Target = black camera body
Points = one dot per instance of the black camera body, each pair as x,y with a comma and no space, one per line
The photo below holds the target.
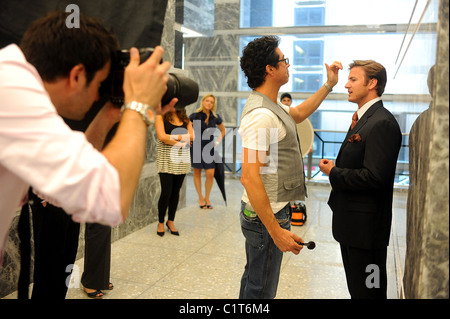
183,88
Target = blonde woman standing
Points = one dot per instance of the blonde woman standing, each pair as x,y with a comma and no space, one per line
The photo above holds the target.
209,132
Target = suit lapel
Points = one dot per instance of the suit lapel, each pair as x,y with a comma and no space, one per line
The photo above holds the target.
360,124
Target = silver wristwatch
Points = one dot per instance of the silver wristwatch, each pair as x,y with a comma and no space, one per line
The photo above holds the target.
147,112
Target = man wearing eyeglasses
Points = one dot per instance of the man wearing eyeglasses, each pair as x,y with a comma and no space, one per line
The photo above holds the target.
272,165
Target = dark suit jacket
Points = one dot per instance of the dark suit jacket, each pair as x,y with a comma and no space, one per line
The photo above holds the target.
363,179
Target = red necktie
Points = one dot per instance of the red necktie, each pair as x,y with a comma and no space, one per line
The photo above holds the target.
354,120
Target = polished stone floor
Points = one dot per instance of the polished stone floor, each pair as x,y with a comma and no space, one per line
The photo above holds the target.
207,260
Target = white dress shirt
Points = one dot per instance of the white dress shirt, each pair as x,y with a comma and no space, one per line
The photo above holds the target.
38,149
366,106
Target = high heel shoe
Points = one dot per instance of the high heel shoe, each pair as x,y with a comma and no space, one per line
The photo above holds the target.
176,233
160,233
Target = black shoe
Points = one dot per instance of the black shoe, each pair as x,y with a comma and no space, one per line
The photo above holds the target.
95,294
172,232
160,233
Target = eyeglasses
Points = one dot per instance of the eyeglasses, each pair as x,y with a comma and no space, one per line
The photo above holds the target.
286,60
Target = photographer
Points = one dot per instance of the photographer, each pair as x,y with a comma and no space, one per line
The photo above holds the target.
57,72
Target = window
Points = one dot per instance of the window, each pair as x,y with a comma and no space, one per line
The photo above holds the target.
316,32
308,53
256,13
306,82
309,16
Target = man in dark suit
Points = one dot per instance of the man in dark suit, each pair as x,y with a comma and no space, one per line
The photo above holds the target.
362,182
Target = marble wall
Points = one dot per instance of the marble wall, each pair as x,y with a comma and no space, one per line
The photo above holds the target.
213,61
427,264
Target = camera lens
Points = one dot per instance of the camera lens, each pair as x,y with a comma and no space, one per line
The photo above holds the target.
183,88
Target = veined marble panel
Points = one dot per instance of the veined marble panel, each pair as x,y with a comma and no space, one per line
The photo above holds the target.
215,78
168,34
216,49
227,15
427,254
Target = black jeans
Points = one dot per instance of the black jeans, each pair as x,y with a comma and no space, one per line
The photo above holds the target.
170,194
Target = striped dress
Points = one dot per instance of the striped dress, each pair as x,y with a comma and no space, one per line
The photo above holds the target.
173,159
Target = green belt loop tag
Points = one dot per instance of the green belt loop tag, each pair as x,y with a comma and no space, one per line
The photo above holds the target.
249,213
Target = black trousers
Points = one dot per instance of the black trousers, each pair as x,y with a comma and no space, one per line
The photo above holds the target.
55,250
97,257
365,271
170,194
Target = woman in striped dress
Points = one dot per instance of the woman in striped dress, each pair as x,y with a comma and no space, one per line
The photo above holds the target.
174,131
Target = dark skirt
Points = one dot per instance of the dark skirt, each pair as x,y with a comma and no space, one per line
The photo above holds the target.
198,159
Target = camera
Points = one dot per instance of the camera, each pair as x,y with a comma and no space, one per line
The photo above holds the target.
183,88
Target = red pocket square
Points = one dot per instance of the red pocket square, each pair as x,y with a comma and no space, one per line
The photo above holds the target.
355,138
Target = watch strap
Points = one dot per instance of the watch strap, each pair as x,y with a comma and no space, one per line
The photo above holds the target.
147,112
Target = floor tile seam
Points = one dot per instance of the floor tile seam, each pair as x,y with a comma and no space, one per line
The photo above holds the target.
322,264
225,226
158,245
172,268
177,265
221,255
188,258
183,290
213,237
191,223
134,282
127,240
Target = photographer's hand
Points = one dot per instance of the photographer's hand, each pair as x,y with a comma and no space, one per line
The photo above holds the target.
146,82
168,107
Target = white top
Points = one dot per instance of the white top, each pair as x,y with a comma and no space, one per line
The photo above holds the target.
37,148
258,129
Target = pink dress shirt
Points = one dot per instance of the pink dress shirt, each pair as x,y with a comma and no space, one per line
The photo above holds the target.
38,149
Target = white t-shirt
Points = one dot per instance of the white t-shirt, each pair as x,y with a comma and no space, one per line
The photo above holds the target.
258,129
38,149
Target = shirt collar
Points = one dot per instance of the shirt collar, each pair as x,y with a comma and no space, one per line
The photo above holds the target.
366,106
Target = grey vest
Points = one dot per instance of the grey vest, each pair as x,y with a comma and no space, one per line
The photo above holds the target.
283,175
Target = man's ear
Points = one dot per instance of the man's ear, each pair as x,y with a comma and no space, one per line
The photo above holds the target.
269,69
77,76
373,84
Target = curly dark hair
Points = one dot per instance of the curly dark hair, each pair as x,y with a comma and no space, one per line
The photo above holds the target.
256,56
